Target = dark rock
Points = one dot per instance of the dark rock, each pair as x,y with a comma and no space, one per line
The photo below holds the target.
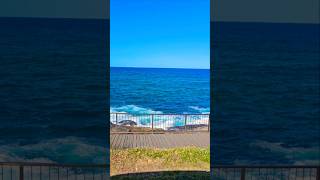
127,123
194,127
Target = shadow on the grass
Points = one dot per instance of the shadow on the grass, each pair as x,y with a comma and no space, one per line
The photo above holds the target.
183,175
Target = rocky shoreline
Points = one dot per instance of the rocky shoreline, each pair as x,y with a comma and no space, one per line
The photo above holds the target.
131,126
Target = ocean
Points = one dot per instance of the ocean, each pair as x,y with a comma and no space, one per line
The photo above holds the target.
159,90
53,85
266,93
54,106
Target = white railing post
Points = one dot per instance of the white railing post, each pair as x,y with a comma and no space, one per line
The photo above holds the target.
152,116
116,118
208,123
185,122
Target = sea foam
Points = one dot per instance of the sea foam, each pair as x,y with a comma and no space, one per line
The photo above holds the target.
298,155
60,150
143,118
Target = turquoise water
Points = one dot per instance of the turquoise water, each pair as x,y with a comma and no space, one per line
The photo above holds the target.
152,90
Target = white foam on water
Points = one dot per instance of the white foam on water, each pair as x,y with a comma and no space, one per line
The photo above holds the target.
200,109
62,150
141,116
299,155
133,109
161,121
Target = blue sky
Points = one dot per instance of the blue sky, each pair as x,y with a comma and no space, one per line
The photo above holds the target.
160,33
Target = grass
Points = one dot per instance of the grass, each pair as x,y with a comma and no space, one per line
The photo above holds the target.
139,160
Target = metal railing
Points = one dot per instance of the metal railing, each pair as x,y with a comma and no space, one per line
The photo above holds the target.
151,123
265,173
50,171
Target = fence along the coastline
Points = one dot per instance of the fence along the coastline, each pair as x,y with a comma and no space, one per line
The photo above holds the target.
124,122
49,171
274,172
26,171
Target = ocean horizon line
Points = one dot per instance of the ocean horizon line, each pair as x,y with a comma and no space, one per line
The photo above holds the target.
53,18
265,22
160,68
107,18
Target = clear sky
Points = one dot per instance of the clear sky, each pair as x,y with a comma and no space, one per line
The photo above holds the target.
160,33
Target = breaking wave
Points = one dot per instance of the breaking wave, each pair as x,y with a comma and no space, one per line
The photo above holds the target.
200,109
141,117
133,109
298,155
62,150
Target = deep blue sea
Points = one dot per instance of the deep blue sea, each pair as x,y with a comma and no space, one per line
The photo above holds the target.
266,93
53,85
54,106
156,90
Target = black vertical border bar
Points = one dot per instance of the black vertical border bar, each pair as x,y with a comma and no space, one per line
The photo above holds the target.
108,89
211,89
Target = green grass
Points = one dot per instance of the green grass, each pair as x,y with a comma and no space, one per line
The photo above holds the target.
149,160
186,155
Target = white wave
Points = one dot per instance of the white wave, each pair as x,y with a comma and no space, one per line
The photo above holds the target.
200,109
161,120
133,109
62,150
300,156
141,116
